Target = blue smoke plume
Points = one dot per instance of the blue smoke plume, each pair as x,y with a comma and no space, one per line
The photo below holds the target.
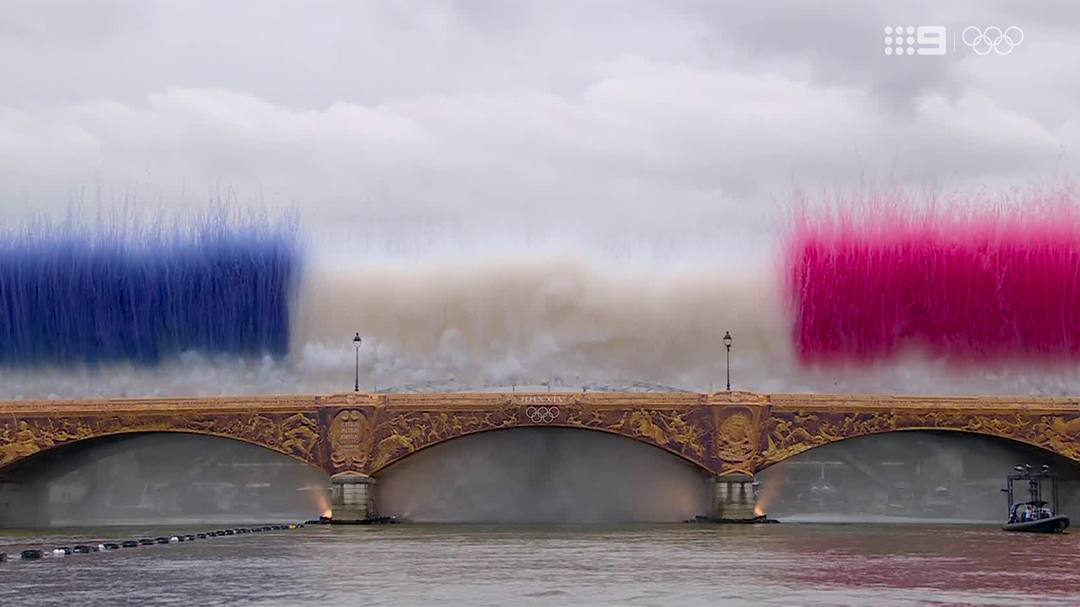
122,291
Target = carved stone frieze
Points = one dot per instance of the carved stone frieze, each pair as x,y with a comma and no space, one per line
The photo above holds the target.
724,432
790,432
297,434
679,430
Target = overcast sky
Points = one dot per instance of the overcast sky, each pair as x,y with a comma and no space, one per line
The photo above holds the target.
664,111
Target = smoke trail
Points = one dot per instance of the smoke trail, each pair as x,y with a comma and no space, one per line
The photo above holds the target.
528,319
477,329
971,281
158,479
493,307
134,292
542,475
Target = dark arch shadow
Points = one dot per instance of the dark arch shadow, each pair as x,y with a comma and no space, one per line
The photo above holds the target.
158,477
542,474
696,464
922,474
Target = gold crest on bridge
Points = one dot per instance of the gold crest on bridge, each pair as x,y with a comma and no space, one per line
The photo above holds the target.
737,437
350,440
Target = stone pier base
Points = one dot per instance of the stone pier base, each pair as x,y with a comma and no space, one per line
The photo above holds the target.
352,498
732,497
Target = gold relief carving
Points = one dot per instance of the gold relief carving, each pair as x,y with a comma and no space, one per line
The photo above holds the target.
408,431
1059,435
403,436
677,430
300,436
790,433
350,439
296,435
669,429
586,413
18,443
21,438
725,431
583,413
735,436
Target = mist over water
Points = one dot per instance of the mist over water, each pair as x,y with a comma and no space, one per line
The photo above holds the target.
539,475
909,475
166,478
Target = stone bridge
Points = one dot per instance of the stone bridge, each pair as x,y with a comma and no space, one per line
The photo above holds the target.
730,436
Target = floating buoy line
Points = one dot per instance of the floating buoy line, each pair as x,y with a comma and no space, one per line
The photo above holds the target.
35,554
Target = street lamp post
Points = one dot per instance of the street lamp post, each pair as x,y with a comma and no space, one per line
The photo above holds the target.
356,344
727,344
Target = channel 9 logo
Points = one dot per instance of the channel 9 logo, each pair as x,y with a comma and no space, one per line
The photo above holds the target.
932,40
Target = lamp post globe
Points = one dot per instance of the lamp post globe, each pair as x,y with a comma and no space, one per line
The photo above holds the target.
356,344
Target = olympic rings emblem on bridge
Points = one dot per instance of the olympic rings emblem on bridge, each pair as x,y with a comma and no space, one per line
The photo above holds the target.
542,415
991,39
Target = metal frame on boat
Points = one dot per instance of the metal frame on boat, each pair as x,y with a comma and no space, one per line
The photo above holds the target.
1034,515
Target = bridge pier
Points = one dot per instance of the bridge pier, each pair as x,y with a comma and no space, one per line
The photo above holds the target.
732,497
352,497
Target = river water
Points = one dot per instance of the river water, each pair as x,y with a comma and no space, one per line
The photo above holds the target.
473,565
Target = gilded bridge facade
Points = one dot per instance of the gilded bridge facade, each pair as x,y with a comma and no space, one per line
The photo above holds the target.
725,434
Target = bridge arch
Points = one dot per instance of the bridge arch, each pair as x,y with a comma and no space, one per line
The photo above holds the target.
296,434
935,473
395,449
29,456
1053,434
152,476
541,474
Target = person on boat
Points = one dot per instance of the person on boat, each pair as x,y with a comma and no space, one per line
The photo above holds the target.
1025,514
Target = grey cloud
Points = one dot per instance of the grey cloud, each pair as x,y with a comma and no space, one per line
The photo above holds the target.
1059,16
62,23
676,113
840,43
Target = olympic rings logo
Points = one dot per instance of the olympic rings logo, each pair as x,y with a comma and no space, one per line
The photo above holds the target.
992,38
542,415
